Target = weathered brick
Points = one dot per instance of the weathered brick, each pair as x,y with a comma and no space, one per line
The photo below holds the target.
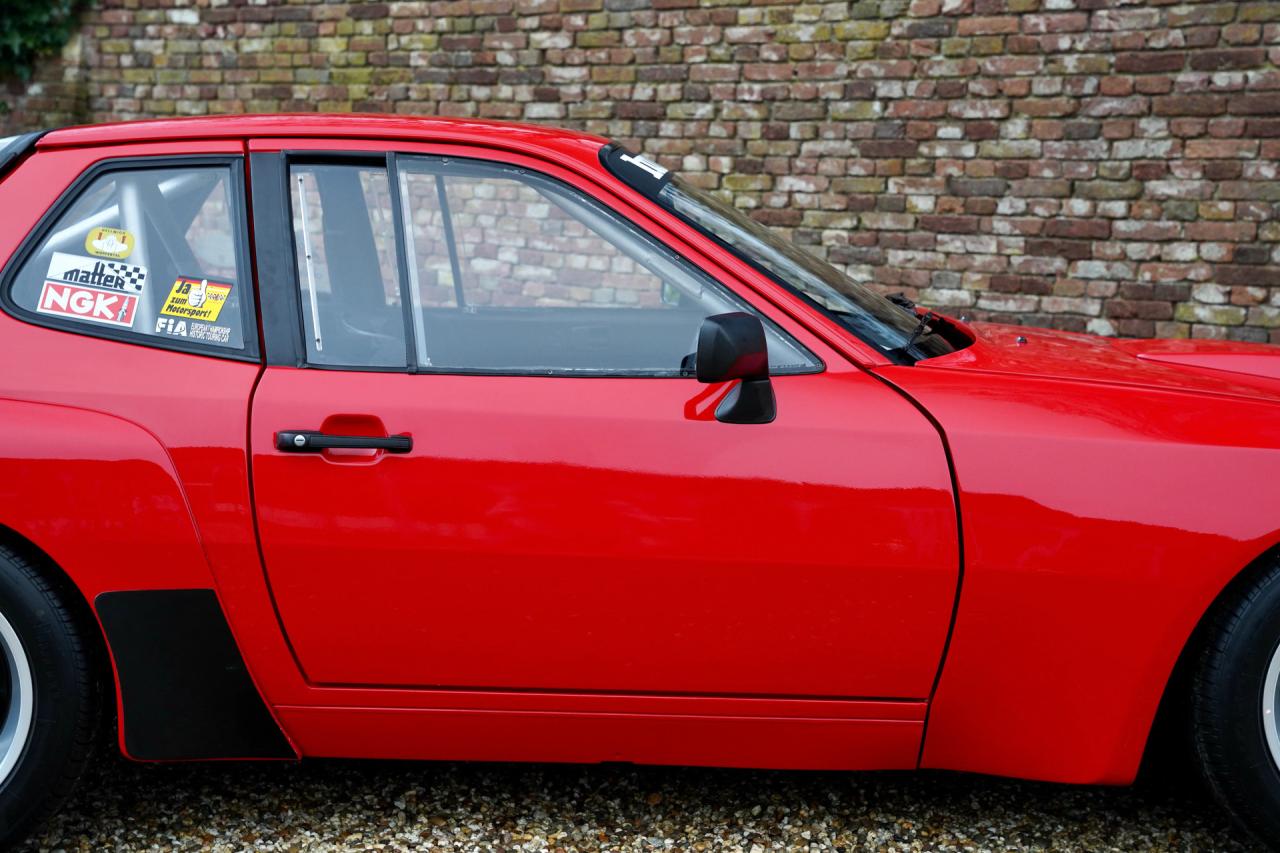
1191,105
977,25
1126,19
949,224
1220,60
1150,62
1109,189
979,186
1221,148
1268,104
1253,276
1068,249
1085,229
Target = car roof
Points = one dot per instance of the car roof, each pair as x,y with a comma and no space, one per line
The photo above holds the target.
415,128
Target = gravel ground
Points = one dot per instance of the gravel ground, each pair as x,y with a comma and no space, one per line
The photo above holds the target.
340,805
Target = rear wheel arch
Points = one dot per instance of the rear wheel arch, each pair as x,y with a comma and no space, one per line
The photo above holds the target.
68,592
199,676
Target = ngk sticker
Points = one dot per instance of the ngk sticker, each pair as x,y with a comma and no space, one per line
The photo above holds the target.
86,303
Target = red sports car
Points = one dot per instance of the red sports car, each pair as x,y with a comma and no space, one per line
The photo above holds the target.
401,438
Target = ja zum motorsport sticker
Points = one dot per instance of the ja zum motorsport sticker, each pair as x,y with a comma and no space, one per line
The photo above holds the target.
196,299
93,290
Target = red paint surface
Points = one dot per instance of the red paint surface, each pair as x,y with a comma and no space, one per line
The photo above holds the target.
588,569
583,534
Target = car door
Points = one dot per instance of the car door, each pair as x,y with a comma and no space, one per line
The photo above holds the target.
550,503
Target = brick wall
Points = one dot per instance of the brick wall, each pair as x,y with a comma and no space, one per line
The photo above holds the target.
1095,165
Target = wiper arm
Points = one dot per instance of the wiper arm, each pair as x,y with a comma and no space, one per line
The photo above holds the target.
920,330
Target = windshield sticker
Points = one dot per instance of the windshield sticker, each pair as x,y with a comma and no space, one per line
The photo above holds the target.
202,332
642,162
109,243
196,299
87,303
635,170
108,275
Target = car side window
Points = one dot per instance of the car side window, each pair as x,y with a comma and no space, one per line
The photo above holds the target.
345,242
505,271
145,253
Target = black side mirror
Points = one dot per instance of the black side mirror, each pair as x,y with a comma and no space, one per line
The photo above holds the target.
732,346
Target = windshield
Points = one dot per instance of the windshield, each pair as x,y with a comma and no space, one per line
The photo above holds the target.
891,329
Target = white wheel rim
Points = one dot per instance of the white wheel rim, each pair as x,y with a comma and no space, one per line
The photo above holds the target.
1269,701
15,715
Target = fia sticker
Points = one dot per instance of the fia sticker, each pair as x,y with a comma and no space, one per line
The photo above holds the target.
109,243
202,332
92,272
196,299
88,303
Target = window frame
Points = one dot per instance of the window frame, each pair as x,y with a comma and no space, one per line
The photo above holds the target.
240,204
288,318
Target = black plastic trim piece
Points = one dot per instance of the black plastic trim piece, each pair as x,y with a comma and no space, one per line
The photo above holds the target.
311,441
184,688
244,279
15,150
277,276
644,182
751,401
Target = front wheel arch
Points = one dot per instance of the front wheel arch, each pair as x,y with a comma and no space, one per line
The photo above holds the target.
1169,729
1233,740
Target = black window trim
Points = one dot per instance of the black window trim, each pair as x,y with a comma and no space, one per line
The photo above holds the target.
283,322
234,163
18,147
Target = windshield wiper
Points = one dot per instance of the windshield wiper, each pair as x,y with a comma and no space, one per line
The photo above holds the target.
920,331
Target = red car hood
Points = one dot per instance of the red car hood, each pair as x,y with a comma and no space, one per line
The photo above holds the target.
1219,367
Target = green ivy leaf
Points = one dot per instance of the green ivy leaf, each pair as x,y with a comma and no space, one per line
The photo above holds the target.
30,29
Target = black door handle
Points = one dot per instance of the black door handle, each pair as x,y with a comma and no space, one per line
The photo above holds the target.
308,441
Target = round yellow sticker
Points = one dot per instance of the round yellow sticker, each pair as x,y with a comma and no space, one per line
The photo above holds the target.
109,243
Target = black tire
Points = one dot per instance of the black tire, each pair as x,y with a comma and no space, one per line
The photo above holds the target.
66,696
1228,727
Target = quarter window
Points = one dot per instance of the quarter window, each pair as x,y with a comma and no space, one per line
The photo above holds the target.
145,252
345,242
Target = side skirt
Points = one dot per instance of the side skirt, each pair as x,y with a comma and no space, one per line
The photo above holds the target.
721,739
